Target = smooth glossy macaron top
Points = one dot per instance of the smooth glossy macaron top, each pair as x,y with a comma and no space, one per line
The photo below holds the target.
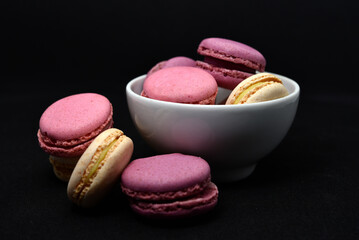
232,51
180,84
165,173
75,116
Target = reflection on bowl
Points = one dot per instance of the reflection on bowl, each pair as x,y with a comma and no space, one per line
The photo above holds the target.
232,138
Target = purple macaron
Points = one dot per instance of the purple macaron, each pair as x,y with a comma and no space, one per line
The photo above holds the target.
169,186
229,62
173,62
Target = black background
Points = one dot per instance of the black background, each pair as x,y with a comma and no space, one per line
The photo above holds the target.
305,189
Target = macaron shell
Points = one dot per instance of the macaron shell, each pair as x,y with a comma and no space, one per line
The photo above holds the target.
168,195
179,61
75,116
227,65
162,174
207,101
181,85
49,142
269,92
189,207
75,151
68,126
173,62
225,78
232,51
108,172
157,67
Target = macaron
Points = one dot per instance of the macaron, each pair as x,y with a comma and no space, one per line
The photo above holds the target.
68,126
99,168
181,84
169,186
230,62
173,62
258,88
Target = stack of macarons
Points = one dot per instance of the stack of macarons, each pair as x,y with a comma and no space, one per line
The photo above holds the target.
91,155
226,63
68,126
85,150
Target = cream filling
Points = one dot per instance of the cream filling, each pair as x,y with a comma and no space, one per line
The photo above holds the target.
246,91
100,159
91,171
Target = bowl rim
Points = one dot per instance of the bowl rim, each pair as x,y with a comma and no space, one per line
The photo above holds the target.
289,98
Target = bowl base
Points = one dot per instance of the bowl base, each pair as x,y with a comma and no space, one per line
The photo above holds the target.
232,175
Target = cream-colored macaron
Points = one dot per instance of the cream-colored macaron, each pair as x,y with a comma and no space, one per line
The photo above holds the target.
63,166
99,167
257,88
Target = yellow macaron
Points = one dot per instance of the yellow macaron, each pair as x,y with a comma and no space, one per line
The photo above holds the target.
99,167
257,88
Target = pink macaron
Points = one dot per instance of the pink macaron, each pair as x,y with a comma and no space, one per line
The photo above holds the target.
173,62
169,186
68,126
181,85
230,62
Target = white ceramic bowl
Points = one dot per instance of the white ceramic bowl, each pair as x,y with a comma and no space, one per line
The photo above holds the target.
232,138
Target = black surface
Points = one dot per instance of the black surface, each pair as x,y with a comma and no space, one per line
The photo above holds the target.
306,189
